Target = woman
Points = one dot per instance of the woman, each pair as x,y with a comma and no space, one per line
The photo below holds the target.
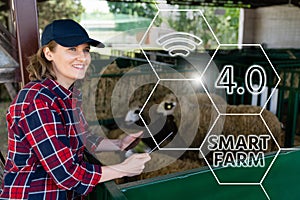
47,129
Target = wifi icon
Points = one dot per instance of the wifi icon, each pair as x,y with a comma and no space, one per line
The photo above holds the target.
179,43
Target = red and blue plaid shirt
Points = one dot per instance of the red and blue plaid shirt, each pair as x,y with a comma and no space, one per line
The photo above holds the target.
46,136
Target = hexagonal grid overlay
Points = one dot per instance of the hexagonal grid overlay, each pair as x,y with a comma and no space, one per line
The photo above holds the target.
235,159
178,44
241,76
227,80
188,80
250,86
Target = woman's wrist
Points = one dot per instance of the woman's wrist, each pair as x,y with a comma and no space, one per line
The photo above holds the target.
132,166
110,173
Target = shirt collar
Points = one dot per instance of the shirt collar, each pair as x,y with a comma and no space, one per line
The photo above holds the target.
61,91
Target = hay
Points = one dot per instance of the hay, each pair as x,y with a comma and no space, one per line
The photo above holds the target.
162,164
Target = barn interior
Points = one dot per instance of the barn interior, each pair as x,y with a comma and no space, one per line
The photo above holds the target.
142,76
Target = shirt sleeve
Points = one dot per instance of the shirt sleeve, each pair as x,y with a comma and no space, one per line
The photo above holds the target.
46,134
92,142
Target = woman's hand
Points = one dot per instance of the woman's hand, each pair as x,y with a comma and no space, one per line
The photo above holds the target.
130,141
132,166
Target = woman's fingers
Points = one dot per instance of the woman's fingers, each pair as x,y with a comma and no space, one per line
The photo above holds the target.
135,164
145,156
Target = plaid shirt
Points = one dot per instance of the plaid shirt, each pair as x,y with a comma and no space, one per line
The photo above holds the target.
46,136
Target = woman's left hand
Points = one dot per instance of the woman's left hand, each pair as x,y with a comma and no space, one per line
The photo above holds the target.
130,141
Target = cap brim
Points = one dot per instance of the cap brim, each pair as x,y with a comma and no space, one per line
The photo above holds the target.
75,41
95,43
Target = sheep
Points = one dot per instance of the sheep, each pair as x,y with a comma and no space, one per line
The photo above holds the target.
162,164
249,126
253,124
204,99
130,123
132,118
160,123
113,68
226,125
236,125
229,124
189,109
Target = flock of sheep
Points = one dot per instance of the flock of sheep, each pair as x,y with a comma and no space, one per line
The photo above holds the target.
189,119
208,119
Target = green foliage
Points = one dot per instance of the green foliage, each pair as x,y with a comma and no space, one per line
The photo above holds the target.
146,10
51,10
58,9
3,14
225,25
223,21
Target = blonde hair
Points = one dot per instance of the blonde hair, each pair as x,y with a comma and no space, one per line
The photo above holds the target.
39,67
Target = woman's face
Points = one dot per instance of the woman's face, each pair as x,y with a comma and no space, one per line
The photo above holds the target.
69,63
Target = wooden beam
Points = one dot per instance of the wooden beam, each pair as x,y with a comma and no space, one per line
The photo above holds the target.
11,90
26,20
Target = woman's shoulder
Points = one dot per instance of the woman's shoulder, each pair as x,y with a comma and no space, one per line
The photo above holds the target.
34,90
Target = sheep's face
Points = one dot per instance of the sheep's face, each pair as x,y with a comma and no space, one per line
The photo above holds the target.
166,107
132,116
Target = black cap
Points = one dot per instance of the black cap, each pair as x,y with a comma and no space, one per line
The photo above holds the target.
67,33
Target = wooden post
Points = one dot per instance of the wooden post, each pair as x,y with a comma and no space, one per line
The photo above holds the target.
27,33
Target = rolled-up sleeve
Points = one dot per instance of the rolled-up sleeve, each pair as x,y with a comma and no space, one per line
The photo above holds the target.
45,131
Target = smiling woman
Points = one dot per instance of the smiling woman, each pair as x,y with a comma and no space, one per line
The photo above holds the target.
47,131
69,63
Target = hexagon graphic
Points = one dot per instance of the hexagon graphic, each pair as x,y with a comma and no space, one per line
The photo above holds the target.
168,111
167,44
241,149
246,75
176,101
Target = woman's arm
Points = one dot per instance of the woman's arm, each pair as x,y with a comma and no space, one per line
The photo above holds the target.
46,133
132,166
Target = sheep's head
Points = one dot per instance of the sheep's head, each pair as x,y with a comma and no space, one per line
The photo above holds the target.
168,105
132,115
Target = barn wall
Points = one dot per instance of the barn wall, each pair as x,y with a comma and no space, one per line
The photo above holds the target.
275,26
